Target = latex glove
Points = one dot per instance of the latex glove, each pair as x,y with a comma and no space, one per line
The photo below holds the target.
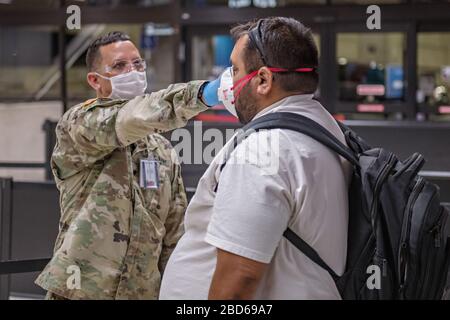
210,93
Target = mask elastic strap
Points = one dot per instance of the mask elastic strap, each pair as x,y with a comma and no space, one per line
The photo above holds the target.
241,83
292,70
102,76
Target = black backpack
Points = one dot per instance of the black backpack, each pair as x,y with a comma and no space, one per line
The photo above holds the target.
398,233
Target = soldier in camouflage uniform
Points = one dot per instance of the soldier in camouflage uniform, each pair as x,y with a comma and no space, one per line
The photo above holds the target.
117,233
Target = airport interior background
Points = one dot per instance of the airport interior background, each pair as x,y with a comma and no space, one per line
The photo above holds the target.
391,85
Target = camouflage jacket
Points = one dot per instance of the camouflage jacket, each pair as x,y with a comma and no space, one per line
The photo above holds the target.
117,235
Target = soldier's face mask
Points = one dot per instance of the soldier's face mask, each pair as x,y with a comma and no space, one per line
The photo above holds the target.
127,85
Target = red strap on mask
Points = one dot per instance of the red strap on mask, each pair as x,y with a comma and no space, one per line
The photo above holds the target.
241,83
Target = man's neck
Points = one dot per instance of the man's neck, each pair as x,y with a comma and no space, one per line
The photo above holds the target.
276,98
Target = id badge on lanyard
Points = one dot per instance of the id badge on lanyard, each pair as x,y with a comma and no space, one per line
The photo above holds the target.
149,176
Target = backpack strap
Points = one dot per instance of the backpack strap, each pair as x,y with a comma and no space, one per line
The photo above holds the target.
308,251
302,124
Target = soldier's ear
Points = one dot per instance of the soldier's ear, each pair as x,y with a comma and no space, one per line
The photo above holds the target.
93,80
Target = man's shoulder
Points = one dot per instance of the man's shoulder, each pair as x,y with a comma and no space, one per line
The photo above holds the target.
95,103
102,102
104,107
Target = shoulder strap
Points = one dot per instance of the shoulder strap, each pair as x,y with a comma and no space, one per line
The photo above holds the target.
308,251
87,103
302,124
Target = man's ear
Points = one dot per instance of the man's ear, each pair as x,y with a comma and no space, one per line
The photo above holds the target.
93,81
265,84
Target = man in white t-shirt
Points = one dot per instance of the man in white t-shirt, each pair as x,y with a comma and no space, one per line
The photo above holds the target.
233,246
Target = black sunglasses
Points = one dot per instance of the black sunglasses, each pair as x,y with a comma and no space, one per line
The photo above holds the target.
255,36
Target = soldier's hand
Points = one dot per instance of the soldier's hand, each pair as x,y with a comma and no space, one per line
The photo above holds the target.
210,93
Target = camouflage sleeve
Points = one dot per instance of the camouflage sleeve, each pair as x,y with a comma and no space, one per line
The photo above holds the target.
53,296
174,224
159,112
99,129
85,135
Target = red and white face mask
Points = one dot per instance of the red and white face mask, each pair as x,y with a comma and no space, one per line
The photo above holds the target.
228,92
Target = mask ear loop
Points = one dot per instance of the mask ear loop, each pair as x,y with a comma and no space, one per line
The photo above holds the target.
241,83
305,69
102,76
105,78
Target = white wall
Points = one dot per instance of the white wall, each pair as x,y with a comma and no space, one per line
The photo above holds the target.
22,137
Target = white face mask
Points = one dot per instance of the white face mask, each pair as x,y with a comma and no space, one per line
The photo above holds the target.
127,85
225,91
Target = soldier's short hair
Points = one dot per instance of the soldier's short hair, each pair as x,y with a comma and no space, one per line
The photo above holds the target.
93,52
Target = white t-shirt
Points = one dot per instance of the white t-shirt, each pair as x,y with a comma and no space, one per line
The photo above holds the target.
254,205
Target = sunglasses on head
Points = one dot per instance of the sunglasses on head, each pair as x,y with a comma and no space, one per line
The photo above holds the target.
256,37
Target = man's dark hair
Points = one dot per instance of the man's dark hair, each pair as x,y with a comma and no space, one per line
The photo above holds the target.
287,43
93,52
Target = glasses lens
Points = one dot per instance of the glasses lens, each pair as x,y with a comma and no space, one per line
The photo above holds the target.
125,66
139,65
119,67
